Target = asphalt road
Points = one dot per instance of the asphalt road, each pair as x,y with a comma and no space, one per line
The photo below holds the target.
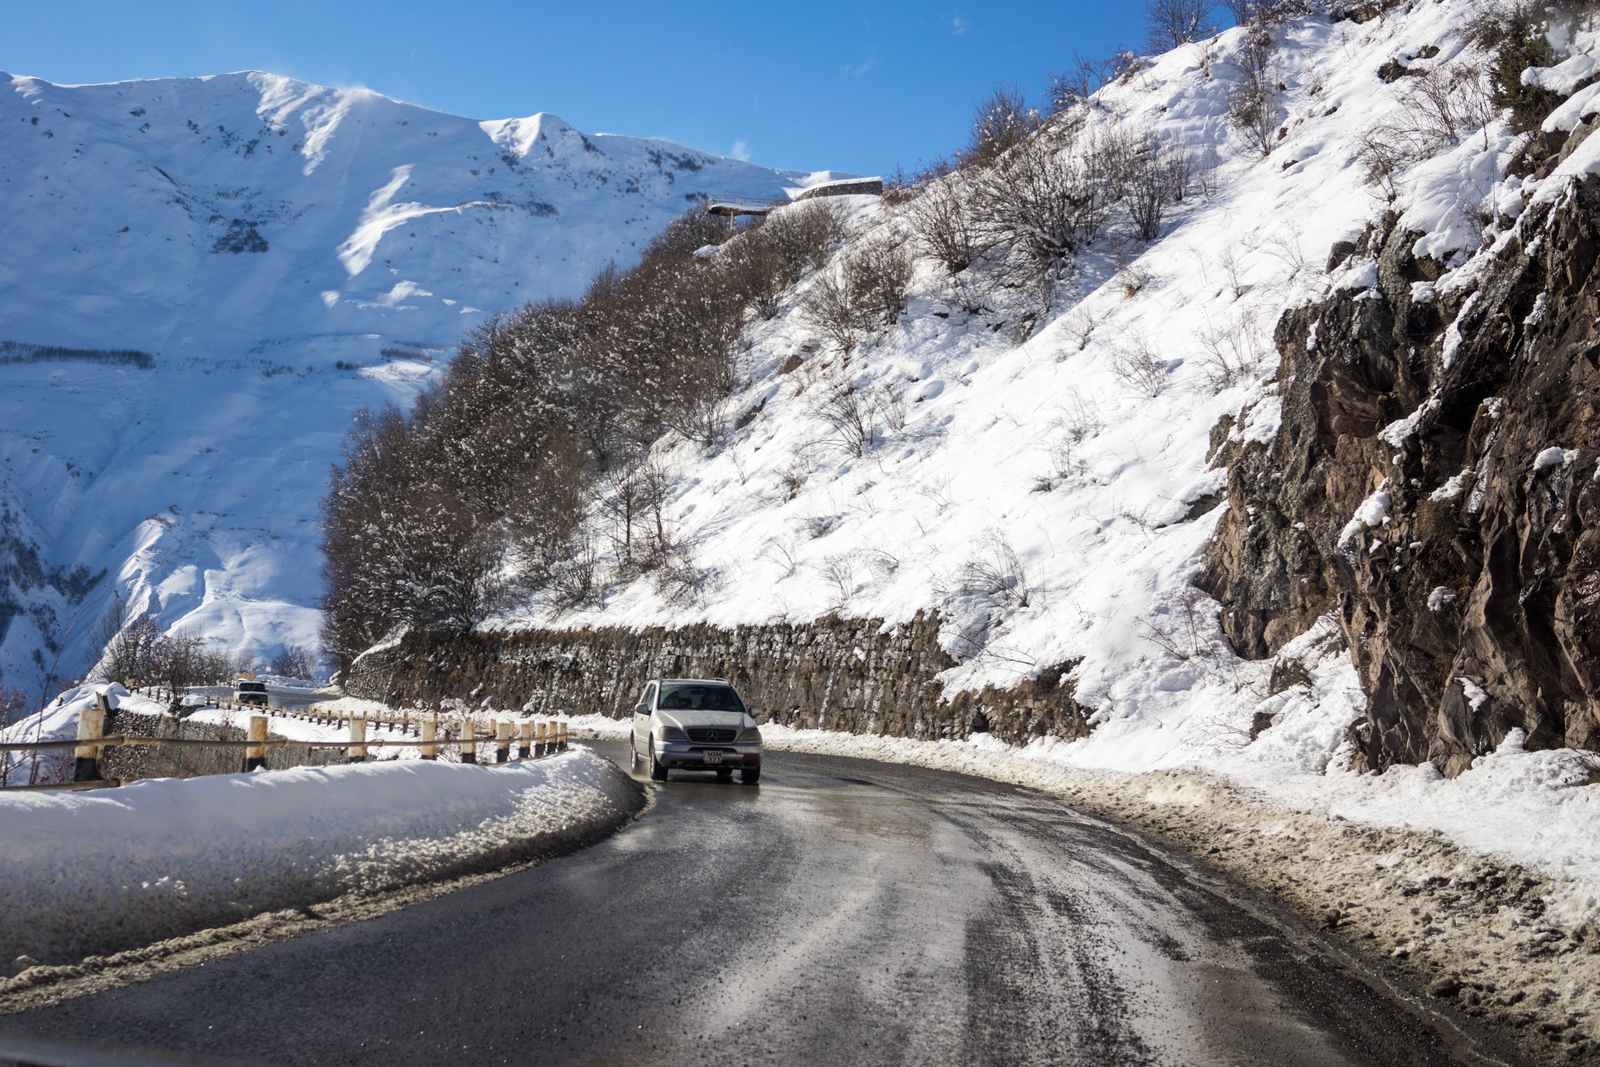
842,912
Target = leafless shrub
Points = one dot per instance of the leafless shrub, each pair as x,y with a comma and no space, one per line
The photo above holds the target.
573,581
1231,353
992,570
856,412
1044,200
1437,110
1272,12
804,235
831,309
943,228
1000,122
1136,364
878,274
678,581
792,479
1079,325
1205,171
865,294
839,574
1233,270
781,553
1185,627
846,408
1128,271
1253,99
1149,192
1169,23
1081,80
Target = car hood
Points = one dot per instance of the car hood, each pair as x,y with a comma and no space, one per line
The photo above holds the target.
687,718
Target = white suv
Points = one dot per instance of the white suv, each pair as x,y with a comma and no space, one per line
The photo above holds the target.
695,724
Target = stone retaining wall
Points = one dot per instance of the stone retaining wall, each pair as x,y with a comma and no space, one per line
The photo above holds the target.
854,675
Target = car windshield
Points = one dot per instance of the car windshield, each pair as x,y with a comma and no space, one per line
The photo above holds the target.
700,698
252,687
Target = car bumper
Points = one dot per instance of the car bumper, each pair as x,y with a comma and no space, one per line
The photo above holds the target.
692,756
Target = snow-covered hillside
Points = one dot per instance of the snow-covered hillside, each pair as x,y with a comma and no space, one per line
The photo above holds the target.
1053,497
286,253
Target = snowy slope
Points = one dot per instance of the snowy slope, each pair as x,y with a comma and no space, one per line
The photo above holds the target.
252,232
1046,464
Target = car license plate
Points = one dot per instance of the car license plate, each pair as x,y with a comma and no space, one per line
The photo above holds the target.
713,757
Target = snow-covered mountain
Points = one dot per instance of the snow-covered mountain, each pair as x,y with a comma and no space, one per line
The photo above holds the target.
284,253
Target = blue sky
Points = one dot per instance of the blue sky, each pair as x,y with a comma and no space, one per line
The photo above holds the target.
810,84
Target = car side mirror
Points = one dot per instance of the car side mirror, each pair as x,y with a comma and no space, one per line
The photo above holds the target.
753,710
641,709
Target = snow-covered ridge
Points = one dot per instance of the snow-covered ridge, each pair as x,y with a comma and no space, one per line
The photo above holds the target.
267,241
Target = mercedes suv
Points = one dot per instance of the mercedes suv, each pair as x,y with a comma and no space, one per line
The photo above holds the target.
695,724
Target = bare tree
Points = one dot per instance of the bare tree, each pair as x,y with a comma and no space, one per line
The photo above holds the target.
1169,23
1253,99
1001,121
295,661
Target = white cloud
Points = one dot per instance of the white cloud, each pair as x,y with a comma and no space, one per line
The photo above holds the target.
858,69
959,25
740,151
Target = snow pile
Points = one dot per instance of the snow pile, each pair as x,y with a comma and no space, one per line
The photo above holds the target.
164,857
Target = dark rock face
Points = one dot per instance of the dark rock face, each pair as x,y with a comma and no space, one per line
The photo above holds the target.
832,674
1471,599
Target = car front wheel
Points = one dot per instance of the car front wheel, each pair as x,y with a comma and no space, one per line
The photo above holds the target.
658,770
750,775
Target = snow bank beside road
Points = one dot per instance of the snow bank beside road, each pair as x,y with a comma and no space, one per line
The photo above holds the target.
164,857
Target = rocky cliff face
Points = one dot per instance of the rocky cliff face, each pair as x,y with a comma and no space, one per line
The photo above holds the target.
1433,485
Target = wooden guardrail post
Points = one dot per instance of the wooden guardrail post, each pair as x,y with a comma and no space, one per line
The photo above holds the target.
562,744
469,742
256,758
91,724
525,732
430,727
538,740
502,741
358,735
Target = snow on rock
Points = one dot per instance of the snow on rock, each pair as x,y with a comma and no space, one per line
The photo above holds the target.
1554,456
163,857
1374,511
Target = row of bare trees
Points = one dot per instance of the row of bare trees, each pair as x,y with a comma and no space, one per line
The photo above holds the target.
436,517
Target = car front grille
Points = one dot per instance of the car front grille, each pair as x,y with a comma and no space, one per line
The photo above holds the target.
711,735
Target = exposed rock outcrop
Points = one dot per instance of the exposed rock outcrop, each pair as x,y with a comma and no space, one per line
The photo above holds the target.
1434,483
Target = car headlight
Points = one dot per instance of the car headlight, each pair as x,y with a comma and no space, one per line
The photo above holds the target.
672,733
751,736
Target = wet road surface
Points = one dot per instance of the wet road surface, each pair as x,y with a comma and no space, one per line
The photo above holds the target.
842,912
